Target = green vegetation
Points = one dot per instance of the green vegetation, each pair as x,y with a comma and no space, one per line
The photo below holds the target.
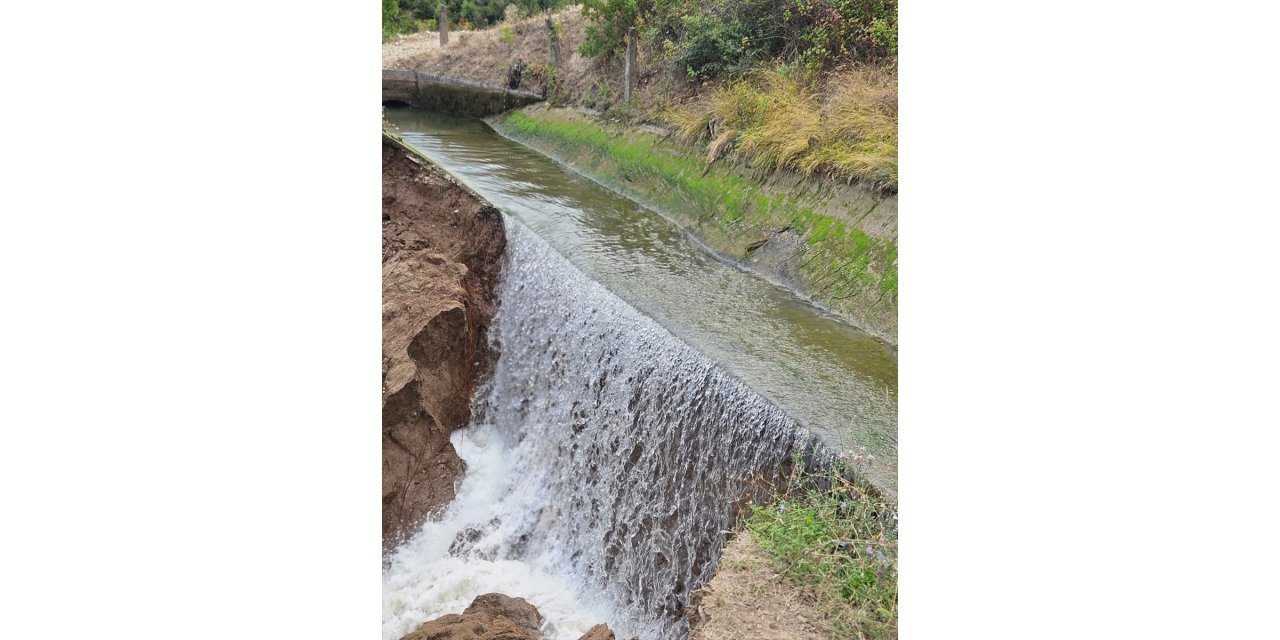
835,536
840,261
609,22
397,20
725,38
393,21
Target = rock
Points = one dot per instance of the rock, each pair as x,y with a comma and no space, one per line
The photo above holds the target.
598,632
517,610
475,627
494,616
491,616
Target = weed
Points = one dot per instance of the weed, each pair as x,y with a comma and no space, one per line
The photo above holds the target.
549,76
835,535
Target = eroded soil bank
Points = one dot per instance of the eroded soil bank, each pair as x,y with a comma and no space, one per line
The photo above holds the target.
441,254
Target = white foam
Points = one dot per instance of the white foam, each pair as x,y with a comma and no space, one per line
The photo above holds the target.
425,581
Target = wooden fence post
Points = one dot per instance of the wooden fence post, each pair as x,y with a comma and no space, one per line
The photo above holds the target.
553,41
443,25
629,70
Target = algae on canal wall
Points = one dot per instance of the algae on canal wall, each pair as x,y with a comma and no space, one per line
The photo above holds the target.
836,244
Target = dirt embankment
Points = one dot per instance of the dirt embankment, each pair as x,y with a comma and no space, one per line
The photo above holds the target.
748,599
398,52
487,56
441,254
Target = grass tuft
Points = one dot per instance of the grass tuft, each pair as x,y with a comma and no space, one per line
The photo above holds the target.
845,127
838,538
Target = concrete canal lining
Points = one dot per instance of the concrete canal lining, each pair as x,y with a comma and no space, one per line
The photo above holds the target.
450,95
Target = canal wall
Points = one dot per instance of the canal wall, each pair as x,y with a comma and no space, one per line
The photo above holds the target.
835,244
450,95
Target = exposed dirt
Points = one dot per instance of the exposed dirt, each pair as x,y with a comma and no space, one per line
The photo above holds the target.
748,598
398,51
484,56
441,254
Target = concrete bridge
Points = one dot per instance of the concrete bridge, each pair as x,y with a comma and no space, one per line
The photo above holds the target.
450,95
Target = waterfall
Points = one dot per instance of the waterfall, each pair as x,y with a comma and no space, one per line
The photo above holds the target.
605,461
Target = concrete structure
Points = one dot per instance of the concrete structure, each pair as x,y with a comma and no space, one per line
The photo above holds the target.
450,95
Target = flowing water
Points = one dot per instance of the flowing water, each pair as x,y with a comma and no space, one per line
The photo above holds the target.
838,381
603,465
642,388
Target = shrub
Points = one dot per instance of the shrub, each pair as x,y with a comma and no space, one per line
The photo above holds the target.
479,13
884,33
714,46
711,38
390,18
831,30
425,9
609,22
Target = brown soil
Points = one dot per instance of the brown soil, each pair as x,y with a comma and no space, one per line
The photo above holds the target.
441,254
748,598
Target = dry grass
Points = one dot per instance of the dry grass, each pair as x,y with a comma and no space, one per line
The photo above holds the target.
846,127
